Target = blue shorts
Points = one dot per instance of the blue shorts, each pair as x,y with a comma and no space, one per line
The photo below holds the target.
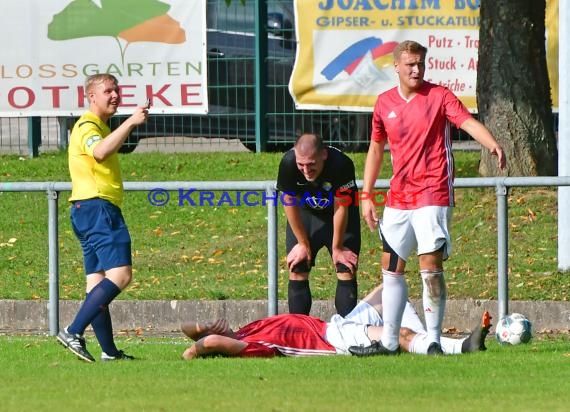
100,227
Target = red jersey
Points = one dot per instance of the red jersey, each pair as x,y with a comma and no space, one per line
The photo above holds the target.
286,334
419,135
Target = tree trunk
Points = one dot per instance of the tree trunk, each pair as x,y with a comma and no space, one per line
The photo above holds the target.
513,90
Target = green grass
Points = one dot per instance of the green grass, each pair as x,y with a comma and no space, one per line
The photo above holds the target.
38,374
220,252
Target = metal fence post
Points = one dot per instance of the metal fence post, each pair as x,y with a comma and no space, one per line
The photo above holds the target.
63,140
272,301
261,76
502,250
34,135
53,263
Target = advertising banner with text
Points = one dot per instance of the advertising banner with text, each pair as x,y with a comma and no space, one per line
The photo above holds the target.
156,48
344,54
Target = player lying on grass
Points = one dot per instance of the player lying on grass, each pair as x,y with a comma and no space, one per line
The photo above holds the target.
303,335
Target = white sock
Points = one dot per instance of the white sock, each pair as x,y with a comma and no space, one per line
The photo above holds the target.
394,298
433,308
420,344
411,319
451,346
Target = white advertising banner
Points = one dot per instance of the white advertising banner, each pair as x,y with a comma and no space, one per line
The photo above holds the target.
157,50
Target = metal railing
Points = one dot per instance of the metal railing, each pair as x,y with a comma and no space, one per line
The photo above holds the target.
501,185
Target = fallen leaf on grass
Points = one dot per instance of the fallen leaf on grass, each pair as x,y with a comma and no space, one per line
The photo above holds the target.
483,294
531,215
9,243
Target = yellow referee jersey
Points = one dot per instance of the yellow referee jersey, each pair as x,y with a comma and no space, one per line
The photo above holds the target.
89,178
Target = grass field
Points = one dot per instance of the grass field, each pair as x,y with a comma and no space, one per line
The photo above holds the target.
38,374
193,252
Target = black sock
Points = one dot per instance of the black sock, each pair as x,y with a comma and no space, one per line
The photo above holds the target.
299,296
346,296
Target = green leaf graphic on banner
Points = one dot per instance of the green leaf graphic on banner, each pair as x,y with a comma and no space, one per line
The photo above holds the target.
129,20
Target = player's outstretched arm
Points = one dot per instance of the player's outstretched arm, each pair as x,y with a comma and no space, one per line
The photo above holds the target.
214,345
301,251
371,170
479,132
340,254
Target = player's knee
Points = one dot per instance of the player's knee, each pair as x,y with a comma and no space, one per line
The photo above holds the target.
394,258
300,271
120,276
124,281
344,272
298,276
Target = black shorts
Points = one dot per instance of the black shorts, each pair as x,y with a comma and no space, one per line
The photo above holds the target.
320,231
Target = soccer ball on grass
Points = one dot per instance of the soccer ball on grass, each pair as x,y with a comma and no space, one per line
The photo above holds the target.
513,329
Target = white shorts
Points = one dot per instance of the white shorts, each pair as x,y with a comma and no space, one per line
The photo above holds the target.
425,229
352,329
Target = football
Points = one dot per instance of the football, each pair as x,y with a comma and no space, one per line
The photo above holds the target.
513,329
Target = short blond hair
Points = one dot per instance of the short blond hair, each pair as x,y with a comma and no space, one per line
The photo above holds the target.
98,78
409,46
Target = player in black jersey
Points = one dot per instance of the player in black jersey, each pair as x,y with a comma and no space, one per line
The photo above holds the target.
319,197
